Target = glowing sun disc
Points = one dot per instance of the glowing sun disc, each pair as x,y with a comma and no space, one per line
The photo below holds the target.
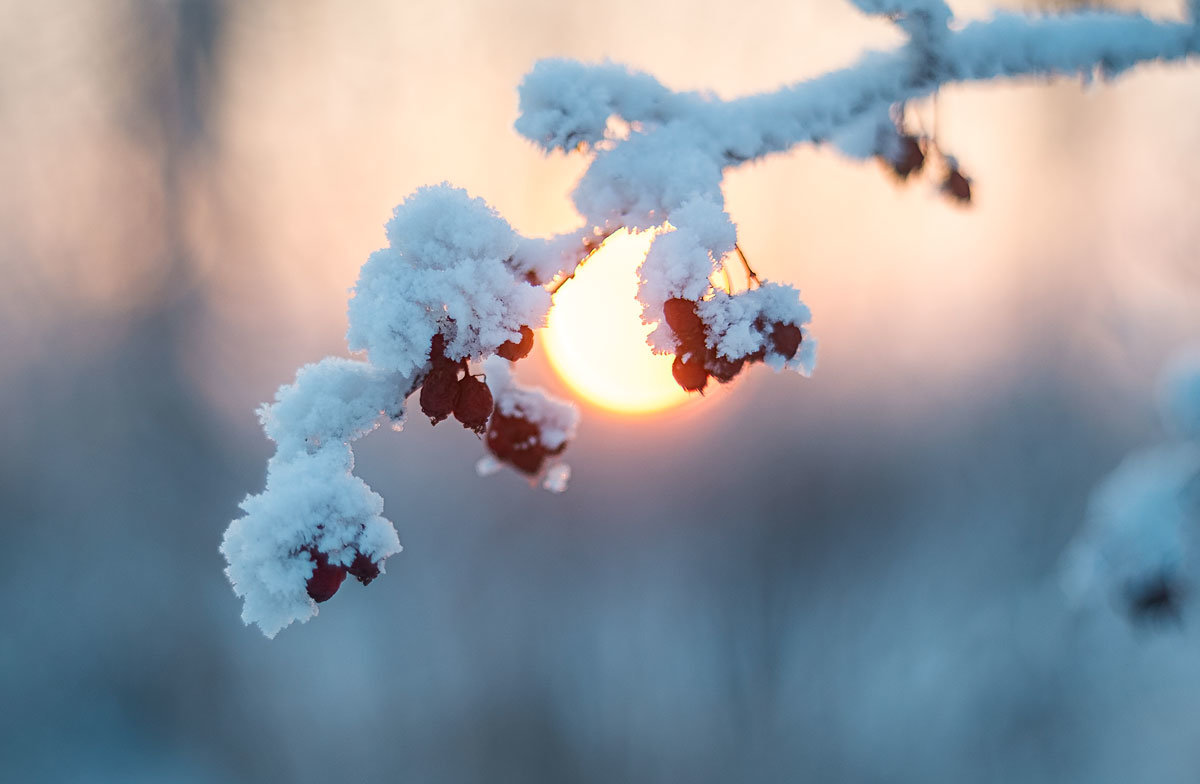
595,338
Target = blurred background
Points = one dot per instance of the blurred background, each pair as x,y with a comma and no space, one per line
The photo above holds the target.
848,578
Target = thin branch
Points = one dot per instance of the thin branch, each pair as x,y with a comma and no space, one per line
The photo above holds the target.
751,275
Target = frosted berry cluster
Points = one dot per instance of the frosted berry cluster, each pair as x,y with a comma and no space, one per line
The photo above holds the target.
447,293
716,338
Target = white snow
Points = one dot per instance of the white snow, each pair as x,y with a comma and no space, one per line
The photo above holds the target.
311,500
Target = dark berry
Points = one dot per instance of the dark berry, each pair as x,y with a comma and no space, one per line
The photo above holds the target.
1159,598
689,371
786,339
326,578
909,159
723,368
516,441
514,350
957,186
684,321
474,403
363,569
528,459
439,392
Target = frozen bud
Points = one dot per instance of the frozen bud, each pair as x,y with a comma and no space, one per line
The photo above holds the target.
786,338
439,392
474,403
326,577
689,372
514,350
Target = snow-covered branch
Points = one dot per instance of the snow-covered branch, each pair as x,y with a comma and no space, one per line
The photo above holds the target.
455,296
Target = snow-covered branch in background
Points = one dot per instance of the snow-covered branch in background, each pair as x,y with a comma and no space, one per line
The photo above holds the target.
1141,542
455,296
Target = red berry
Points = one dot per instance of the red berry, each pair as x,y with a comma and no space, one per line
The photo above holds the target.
326,578
516,441
723,368
957,186
439,392
689,372
786,339
910,158
363,569
474,403
528,459
684,321
514,350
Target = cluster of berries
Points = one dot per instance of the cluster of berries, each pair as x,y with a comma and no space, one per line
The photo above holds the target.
909,158
696,362
449,388
327,578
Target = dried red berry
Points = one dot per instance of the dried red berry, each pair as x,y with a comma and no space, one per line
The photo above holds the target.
514,350
516,441
723,368
684,321
363,569
689,372
326,577
474,403
909,159
439,392
528,459
786,339
957,186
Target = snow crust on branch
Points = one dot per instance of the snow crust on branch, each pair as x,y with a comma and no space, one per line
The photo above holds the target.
731,132
448,269
335,401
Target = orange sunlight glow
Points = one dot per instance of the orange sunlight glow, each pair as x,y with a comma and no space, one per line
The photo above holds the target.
595,338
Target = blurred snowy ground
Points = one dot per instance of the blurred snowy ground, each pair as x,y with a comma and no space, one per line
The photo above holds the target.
844,579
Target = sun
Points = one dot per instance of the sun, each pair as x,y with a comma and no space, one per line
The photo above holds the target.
595,338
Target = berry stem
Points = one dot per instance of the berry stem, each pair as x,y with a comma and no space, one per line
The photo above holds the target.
751,275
